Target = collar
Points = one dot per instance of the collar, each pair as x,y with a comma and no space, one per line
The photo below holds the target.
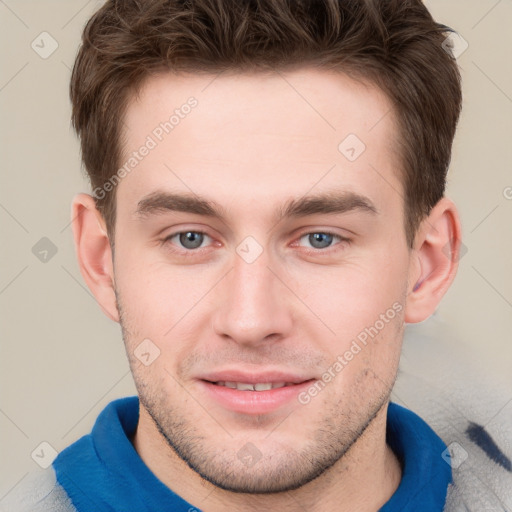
425,472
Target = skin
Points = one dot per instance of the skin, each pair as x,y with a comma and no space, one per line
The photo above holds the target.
252,144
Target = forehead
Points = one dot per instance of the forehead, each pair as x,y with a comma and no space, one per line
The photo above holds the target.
267,136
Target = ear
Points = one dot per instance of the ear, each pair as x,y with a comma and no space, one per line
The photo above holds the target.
94,253
435,260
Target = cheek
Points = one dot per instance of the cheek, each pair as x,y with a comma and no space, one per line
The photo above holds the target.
353,295
363,305
149,289
161,303
365,365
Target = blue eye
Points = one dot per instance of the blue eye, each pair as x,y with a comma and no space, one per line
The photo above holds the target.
189,240
322,240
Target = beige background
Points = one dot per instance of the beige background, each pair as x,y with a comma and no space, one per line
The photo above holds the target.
62,360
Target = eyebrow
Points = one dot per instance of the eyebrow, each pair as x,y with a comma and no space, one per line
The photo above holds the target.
326,203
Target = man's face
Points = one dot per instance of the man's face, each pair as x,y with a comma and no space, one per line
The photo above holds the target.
262,295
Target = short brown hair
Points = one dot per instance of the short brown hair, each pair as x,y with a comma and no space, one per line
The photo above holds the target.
393,44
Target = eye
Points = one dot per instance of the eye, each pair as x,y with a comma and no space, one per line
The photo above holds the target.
188,240
321,239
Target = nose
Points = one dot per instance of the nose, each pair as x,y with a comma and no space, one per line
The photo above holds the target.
252,305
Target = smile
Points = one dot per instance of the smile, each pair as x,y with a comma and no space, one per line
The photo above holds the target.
260,386
253,398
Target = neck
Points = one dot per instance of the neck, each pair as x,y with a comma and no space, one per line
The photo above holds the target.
364,479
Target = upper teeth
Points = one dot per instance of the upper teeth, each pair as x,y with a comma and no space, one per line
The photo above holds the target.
244,386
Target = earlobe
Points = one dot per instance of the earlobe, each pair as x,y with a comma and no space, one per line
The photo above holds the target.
437,252
94,252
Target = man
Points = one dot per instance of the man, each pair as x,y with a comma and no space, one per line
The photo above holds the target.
267,213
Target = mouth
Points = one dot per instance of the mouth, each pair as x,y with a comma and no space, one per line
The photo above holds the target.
258,386
255,394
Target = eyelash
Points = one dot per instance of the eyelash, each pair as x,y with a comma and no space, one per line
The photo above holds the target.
309,251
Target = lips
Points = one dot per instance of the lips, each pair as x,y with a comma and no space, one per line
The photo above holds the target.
253,393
